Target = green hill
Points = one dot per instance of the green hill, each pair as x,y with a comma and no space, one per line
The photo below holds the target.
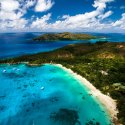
63,36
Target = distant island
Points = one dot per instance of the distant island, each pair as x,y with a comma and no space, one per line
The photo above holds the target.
63,36
102,63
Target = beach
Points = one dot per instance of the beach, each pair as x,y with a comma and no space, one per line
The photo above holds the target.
105,100
44,90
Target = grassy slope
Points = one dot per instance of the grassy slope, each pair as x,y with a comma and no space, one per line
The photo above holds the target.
63,36
103,64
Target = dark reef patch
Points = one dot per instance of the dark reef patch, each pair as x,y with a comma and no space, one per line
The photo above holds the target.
2,108
66,117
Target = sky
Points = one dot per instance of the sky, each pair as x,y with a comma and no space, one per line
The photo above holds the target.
62,15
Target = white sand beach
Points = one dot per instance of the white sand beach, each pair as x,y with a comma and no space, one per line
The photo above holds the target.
105,100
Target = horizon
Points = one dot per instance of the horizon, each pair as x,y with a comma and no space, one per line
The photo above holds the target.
97,16
64,31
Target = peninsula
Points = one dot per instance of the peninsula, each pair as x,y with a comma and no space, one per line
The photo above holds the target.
63,36
102,63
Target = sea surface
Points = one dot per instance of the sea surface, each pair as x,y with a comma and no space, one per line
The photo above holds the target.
17,44
46,95
111,37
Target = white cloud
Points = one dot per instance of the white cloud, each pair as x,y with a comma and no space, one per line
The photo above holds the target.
41,23
12,12
120,23
9,5
9,10
101,4
15,25
43,5
30,3
89,21
105,15
12,17
65,16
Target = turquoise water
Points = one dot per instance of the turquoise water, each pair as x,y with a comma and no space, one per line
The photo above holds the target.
46,95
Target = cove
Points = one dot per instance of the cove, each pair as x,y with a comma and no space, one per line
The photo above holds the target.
46,95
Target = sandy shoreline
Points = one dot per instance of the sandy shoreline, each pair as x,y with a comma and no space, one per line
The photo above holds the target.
105,100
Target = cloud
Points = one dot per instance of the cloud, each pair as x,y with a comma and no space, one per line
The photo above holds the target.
120,23
8,10
105,15
89,21
9,5
29,3
65,17
101,4
15,25
40,23
43,5
12,14
12,17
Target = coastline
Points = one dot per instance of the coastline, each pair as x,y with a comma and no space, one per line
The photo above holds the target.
105,100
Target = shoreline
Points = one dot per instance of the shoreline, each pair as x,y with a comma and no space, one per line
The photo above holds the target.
106,101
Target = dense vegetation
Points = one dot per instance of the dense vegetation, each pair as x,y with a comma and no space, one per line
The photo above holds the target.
103,64
63,36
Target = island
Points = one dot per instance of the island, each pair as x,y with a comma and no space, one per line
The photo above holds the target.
63,36
102,63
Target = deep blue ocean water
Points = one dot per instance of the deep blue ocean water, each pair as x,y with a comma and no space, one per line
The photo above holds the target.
17,44
23,102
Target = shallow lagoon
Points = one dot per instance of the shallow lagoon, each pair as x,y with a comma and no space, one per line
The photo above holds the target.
63,101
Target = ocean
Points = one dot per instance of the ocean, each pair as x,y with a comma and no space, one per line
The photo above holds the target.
46,95
18,44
